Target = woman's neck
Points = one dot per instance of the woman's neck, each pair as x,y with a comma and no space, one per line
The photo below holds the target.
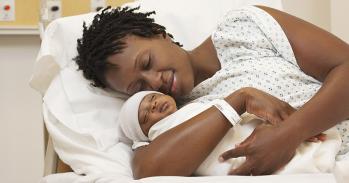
204,61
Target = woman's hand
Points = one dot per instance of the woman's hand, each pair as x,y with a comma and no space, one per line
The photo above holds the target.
266,150
266,106
317,138
271,109
269,147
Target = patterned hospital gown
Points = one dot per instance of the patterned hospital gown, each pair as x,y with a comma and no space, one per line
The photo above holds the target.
254,52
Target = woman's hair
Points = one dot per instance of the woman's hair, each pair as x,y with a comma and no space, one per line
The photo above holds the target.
105,37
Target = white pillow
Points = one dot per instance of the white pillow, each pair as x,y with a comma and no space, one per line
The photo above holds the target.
81,119
181,18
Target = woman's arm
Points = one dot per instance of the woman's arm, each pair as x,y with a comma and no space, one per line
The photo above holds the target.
182,149
322,56
326,58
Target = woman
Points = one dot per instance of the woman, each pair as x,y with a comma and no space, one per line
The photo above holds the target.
127,52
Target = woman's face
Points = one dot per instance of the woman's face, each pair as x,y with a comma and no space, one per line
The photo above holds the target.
153,108
151,64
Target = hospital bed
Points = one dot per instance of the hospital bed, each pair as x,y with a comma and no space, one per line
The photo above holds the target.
80,120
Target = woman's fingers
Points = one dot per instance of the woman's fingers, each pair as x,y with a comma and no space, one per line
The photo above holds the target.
284,115
312,139
321,137
272,119
244,169
233,153
265,153
317,138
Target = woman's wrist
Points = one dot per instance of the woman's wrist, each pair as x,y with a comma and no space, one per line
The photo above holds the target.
292,130
238,100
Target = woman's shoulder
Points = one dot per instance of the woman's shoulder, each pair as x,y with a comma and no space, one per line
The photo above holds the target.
253,14
241,12
249,28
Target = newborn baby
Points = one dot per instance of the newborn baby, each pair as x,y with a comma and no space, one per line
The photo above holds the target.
148,114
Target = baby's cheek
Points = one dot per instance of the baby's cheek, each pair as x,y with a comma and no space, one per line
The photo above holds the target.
162,116
173,110
157,117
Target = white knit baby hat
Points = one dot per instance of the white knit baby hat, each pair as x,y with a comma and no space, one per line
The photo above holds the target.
128,117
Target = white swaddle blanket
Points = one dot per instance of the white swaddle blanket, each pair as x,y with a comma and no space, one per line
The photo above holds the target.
310,157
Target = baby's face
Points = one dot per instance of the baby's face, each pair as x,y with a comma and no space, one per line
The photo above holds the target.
153,108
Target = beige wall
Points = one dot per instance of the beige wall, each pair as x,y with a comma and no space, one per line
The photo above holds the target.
339,18
330,15
315,11
21,141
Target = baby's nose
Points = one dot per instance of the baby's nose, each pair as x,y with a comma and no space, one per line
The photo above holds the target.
153,106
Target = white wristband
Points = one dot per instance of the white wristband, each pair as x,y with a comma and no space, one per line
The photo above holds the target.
228,111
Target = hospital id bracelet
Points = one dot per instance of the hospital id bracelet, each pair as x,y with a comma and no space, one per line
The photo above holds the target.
228,111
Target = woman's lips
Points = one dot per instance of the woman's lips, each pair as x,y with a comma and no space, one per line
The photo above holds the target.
174,85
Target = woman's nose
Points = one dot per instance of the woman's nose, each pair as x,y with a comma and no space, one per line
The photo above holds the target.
153,78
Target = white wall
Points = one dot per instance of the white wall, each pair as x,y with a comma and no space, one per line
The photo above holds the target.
21,142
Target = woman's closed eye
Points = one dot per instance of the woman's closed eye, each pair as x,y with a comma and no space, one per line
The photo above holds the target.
147,63
141,85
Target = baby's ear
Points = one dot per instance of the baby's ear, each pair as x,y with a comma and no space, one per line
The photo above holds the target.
139,119
142,122
144,127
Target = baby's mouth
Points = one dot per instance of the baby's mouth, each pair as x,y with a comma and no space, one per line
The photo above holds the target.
163,107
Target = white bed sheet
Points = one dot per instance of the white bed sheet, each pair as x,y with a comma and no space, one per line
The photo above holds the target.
298,178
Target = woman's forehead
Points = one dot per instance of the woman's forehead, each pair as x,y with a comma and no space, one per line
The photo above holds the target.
126,55
117,77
